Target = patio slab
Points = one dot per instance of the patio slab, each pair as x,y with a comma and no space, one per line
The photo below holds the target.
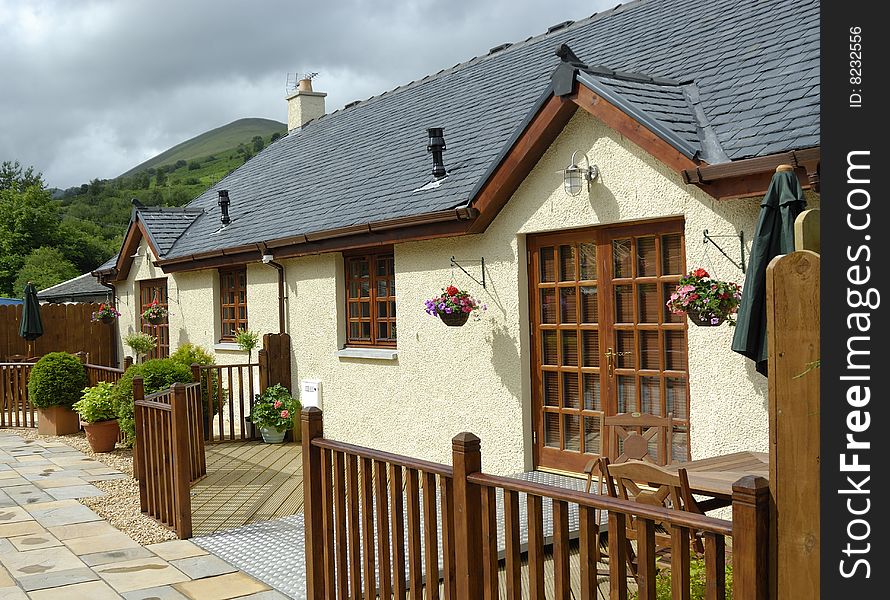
222,587
56,579
140,573
164,592
92,590
34,541
100,543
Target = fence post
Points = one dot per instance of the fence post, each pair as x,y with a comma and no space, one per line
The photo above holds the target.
138,446
128,362
182,472
750,539
467,459
263,359
313,427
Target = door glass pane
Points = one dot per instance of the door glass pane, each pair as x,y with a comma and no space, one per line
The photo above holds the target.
650,395
624,345
674,351
381,309
548,347
592,441
627,393
572,432
548,305
587,257
648,302
649,351
551,389
589,308
681,444
675,389
592,399
669,317
381,288
671,255
570,396
647,260
568,307
621,258
567,263
569,348
548,265
591,349
624,304
366,309
551,430
365,288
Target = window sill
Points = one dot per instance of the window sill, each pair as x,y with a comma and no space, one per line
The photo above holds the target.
372,353
227,347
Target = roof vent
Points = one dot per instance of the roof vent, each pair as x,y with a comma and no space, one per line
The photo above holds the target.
436,147
559,26
224,207
351,104
499,48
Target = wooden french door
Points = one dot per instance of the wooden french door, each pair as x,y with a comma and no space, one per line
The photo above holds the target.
604,342
149,291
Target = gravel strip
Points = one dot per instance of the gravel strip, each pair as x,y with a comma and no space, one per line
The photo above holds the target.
120,505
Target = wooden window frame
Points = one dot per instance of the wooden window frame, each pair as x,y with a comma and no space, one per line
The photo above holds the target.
374,319
223,305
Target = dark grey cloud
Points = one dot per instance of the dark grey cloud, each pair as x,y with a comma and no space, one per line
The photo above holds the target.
92,88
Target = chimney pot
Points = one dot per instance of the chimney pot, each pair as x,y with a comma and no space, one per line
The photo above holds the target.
223,203
305,85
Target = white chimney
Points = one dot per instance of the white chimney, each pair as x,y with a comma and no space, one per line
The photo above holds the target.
304,105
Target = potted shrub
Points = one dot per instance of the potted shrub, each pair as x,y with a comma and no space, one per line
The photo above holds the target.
454,306
707,302
155,313
56,382
274,412
98,417
247,341
106,314
140,343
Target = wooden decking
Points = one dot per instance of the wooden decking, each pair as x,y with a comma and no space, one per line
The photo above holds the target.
247,482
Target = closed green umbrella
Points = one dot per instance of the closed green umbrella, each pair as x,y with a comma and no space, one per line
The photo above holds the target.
774,235
30,327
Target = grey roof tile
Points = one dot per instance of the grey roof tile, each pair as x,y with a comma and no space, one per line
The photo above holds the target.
365,163
82,285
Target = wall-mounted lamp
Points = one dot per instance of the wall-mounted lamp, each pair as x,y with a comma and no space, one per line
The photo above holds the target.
267,258
573,175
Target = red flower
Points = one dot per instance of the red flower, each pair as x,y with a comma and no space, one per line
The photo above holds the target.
285,414
700,273
452,291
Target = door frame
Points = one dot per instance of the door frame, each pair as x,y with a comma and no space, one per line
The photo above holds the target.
533,242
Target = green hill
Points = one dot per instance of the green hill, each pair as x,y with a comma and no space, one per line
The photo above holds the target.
212,142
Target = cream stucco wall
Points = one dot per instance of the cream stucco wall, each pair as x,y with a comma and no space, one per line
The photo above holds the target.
476,378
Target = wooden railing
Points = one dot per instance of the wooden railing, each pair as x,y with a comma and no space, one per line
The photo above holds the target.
169,452
226,395
15,409
98,373
347,489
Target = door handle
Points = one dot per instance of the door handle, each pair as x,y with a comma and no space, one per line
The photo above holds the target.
610,359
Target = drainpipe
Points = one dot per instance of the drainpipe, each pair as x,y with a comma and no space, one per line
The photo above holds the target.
269,259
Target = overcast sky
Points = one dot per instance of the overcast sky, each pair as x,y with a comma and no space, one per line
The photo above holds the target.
91,88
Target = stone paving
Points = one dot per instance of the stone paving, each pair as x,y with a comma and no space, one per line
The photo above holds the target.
51,546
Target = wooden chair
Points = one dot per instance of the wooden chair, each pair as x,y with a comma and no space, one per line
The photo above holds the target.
636,431
647,483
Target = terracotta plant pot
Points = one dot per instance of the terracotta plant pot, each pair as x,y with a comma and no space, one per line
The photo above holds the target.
697,319
57,420
272,436
103,435
455,319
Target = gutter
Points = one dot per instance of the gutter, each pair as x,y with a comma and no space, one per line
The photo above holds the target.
807,159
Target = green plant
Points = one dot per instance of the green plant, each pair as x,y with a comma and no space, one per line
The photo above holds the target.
157,374
192,354
154,311
141,343
697,578
247,340
96,404
57,379
275,408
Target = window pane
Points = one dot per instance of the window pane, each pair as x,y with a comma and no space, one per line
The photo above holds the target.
572,432
567,305
592,392
366,310
355,331
381,310
591,348
365,288
548,305
551,430
354,289
624,304
671,255
569,348
592,440
589,308
627,394
570,395
567,263
621,258
548,265
624,345
587,257
548,347
382,288
650,395
383,330
648,302
674,351
354,309
366,330
647,261
551,389
675,388
383,266
649,350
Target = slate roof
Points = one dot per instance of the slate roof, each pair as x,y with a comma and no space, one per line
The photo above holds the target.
82,285
166,224
744,83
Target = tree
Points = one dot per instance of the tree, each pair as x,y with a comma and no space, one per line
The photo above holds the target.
13,178
258,143
45,267
275,136
161,178
194,165
29,219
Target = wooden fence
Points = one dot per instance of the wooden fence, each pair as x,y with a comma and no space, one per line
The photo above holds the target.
169,452
15,408
66,328
350,492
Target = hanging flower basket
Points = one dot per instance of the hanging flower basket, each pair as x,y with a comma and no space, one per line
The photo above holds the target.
106,314
706,302
155,313
155,320
454,306
106,319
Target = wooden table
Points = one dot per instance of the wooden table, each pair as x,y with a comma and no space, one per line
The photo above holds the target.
714,476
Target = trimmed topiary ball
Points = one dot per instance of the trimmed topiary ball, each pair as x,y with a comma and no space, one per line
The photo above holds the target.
57,379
